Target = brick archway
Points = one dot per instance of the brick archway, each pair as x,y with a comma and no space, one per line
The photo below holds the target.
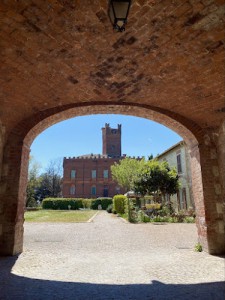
61,57
210,218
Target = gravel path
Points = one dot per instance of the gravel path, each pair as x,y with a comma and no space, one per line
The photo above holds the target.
111,259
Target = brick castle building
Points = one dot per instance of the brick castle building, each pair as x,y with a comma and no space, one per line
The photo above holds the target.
89,176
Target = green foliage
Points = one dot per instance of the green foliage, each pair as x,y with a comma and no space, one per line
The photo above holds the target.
87,203
45,185
50,185
164,211
104,202
31,202
126,172
119,203
164,215
160,219
33,182
150,157
142,217
198,247
156,177
130,211
62,203
109,208
75,203
189,220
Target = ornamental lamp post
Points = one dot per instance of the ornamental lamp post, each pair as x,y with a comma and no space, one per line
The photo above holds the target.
118,12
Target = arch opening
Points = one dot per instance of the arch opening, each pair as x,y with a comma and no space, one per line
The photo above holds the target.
192,135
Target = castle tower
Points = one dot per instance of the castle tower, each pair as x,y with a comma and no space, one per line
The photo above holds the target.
111,141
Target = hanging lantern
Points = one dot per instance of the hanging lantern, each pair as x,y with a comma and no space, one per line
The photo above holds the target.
118,13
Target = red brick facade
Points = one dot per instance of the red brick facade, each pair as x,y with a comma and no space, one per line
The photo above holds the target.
89,176
111,141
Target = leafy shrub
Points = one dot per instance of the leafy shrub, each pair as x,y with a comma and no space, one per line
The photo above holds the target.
32,203
87,203
172,220
62,203
109,208
142,217
189,220
164,211
181,215
198,247
159,219
132,214
104,202
119,203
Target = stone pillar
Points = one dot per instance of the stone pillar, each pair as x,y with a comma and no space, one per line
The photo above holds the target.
12,196
208,195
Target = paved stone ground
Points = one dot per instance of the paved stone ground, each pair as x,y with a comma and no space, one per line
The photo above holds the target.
111,259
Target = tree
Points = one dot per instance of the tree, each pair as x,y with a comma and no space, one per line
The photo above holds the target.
50,181
33,182
126,172
157,178
150,157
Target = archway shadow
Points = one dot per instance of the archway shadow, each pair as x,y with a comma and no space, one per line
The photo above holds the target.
14,287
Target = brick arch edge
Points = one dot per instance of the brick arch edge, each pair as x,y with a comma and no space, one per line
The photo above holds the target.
17,154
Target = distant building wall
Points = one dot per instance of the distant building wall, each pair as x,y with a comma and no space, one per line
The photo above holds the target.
89,177
177,156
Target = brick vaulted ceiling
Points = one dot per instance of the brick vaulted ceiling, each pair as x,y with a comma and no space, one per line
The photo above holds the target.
64,52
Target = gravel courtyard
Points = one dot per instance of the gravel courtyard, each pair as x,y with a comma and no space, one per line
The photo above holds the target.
111,259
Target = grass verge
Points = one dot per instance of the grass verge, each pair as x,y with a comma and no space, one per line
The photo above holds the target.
67,216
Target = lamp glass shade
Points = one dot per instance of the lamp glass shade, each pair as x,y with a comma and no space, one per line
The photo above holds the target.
118,12
121,9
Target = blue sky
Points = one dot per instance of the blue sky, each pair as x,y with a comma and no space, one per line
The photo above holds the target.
83,135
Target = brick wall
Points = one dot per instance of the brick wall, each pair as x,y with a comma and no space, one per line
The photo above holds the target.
83,181
60,60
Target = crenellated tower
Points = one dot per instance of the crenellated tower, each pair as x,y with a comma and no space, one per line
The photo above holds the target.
111,141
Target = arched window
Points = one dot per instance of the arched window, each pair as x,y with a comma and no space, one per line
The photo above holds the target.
72,190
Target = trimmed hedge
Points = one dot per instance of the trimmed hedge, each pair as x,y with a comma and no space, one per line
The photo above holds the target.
75,203
62,203
87,203
119,202
104,202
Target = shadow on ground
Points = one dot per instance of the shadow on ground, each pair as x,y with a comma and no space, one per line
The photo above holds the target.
22,288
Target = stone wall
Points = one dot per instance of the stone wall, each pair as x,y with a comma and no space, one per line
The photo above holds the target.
184,176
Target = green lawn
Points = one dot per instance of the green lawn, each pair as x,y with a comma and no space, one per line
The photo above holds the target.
70,216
